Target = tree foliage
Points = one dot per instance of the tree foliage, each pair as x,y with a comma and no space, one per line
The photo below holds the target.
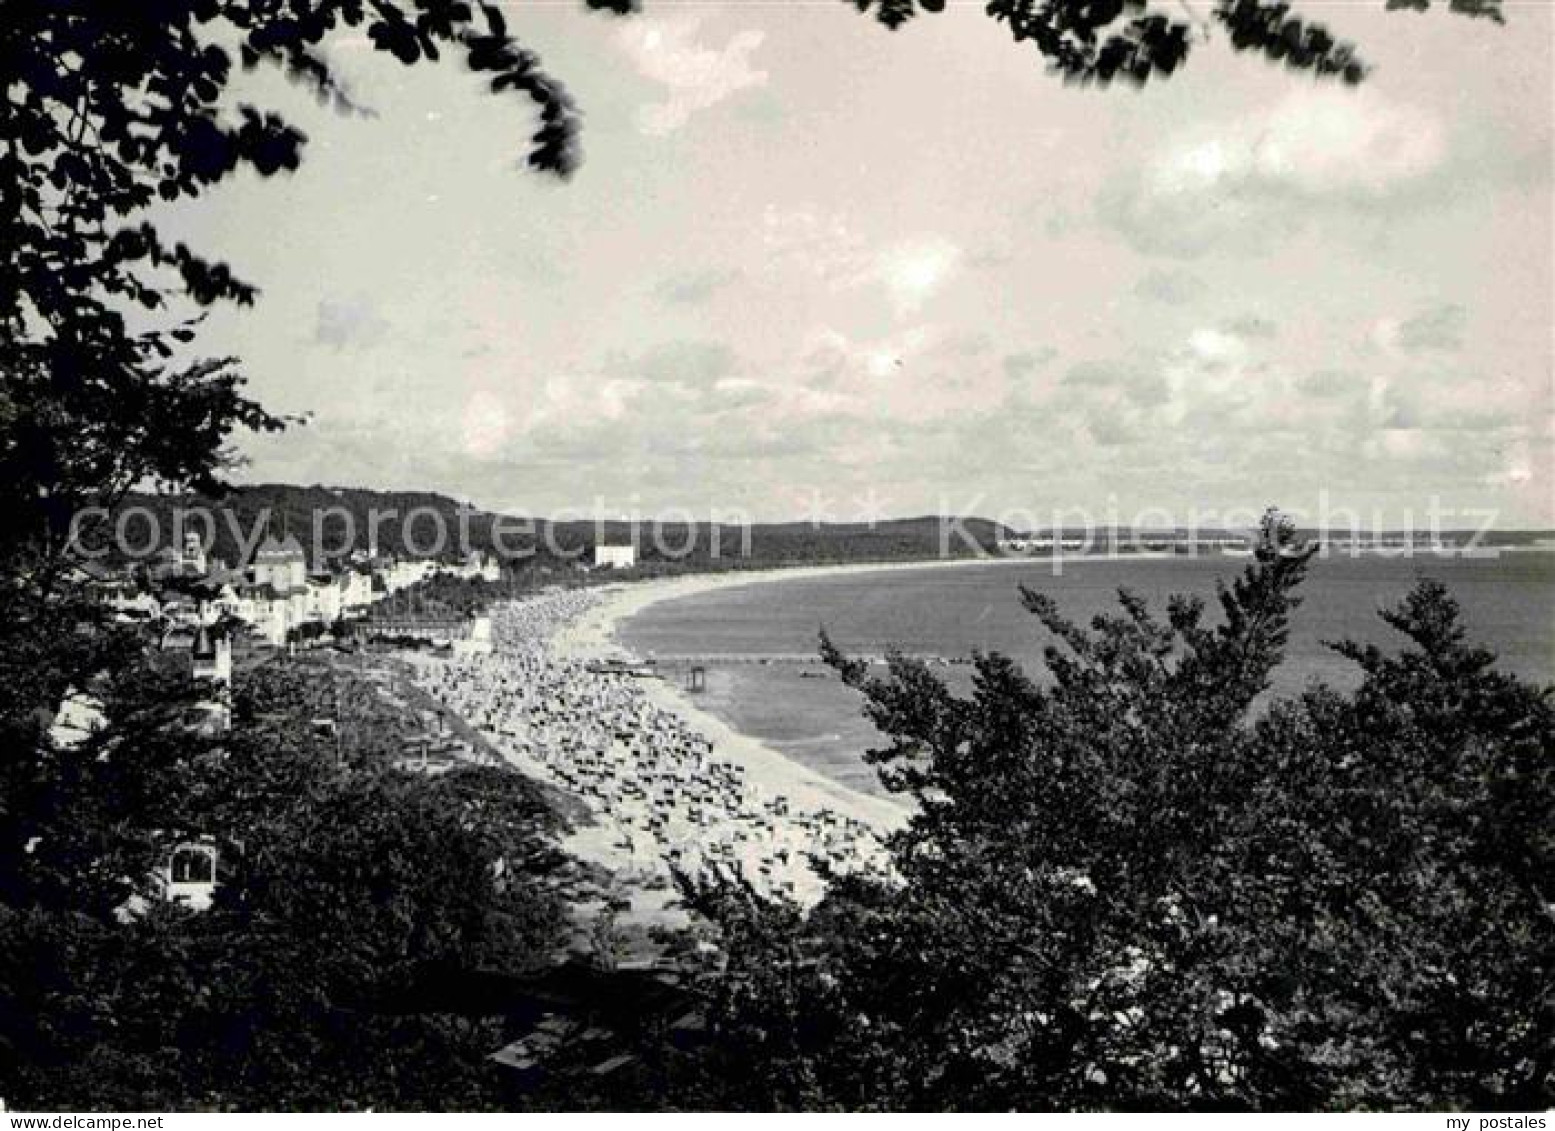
1126,887
1134,40
340,887
111,109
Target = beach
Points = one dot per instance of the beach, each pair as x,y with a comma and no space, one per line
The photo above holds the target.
592,636
669,789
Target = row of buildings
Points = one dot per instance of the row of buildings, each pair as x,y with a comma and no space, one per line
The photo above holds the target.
206,614
277,593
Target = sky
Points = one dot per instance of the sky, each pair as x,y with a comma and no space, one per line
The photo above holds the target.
813,268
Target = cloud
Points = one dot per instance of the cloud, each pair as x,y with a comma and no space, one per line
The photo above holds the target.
348,322
1261,177
1022,366
696,364
1139,383
910,271
1251,326
1315,143
928,403
677,403
695,287
1452,403
1215,348
1172,288
1216,406
1093,402
1325,383
832,359
740,392
1437,330
1440,328
486,424
696,77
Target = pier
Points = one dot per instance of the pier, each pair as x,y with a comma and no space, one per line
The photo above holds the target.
798,659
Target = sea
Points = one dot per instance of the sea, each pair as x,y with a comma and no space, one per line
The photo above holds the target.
756,644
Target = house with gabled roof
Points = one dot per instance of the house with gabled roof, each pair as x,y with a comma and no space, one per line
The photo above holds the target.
280,563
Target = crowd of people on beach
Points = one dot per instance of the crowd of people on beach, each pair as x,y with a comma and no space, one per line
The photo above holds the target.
656,786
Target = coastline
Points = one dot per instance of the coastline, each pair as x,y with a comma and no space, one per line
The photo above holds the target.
593,636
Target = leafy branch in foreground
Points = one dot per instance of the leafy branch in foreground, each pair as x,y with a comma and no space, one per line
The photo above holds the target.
1134,40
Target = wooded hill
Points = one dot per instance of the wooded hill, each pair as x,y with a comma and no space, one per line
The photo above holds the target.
407,523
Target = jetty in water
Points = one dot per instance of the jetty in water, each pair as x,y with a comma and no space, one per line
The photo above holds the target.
803,659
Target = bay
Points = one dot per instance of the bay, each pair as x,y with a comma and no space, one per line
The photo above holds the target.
756,642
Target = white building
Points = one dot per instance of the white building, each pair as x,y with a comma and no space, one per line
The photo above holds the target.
191,876
325,598
268,612
356,589
192,560
404,574
228,602
478,642
135,606
79,717
211,657
615,557
478,567
280,564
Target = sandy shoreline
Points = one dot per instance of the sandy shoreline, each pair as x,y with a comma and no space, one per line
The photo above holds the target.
593,636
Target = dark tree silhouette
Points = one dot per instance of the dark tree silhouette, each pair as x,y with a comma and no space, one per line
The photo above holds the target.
1125,886
340,885
1133,40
